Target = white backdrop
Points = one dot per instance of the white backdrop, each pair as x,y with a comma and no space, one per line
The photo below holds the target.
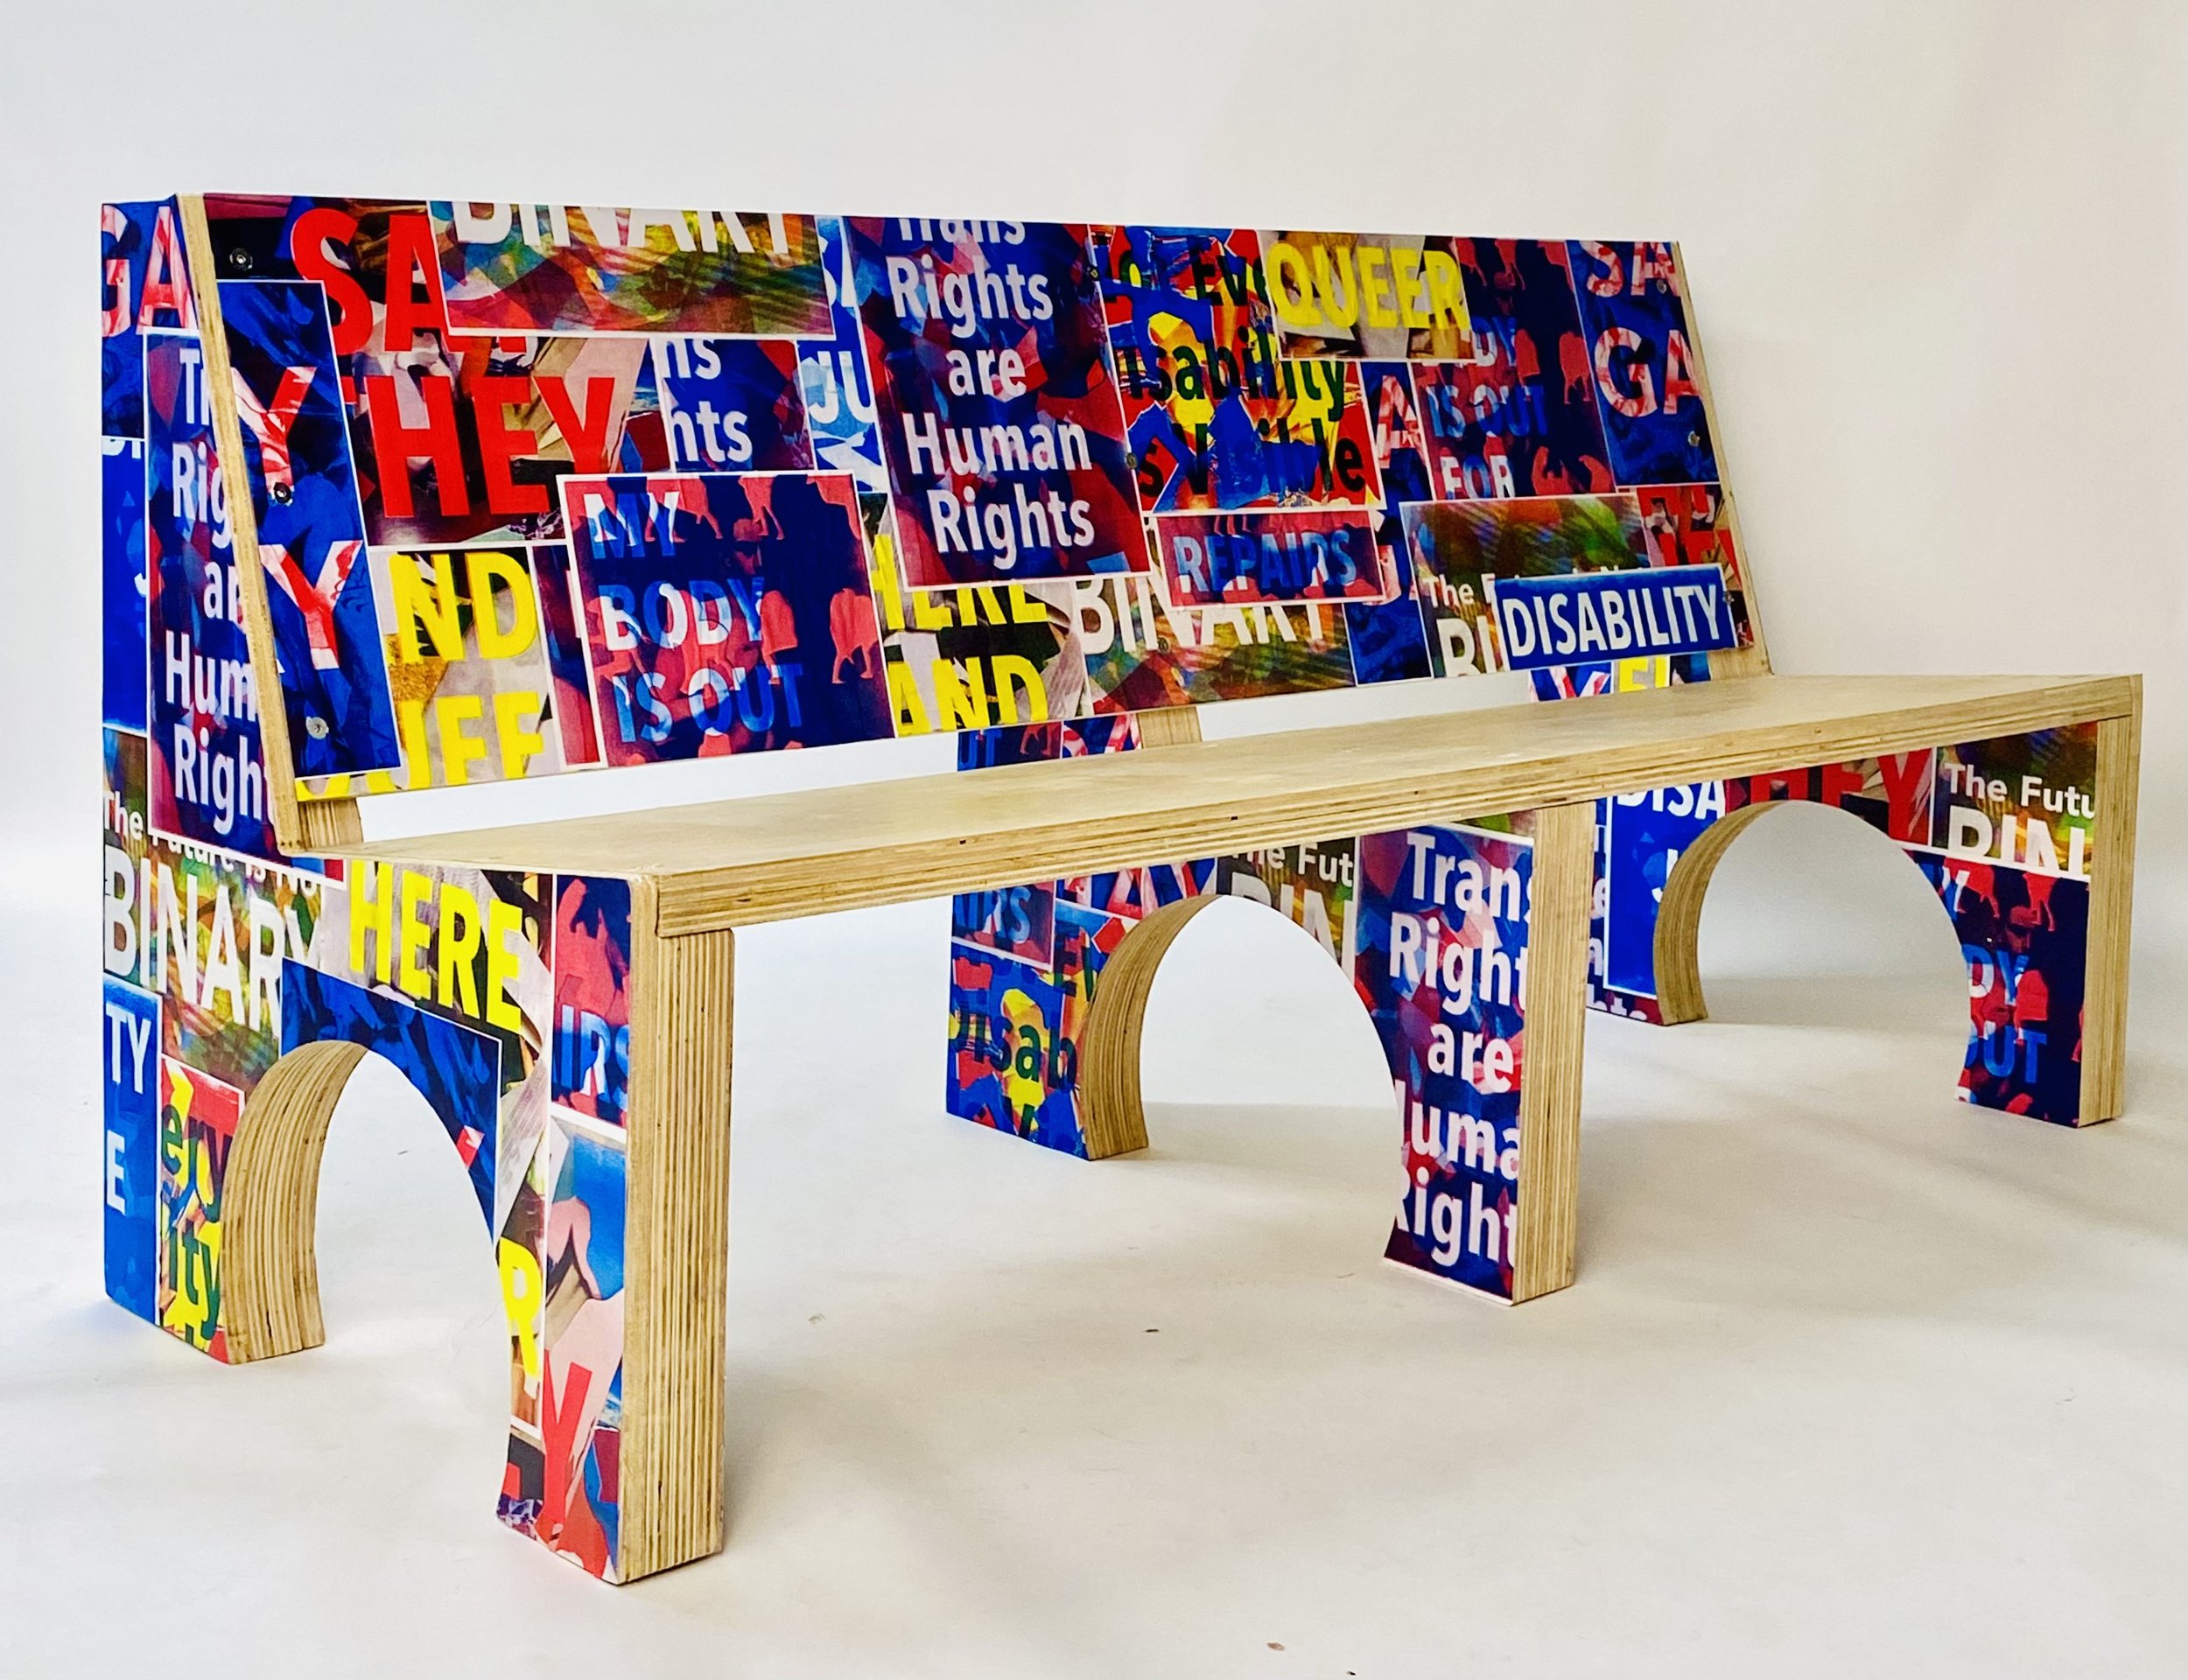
1938,252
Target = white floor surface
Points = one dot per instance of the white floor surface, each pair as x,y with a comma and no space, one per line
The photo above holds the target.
1855,1380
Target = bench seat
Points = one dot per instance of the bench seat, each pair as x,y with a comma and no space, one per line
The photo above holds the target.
732,862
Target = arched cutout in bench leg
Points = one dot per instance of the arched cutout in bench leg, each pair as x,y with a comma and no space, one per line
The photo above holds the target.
1679,995
613,1256
2037,894
270,1275
1473,961
1112,1119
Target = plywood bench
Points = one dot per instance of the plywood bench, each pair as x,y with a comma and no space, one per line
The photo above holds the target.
490,492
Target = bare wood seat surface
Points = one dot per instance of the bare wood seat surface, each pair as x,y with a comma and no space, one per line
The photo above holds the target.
736,861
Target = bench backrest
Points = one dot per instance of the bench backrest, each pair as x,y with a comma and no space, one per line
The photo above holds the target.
483,491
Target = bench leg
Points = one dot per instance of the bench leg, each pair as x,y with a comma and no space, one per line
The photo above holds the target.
668,1472
2039,885
1555,1020
1473,959
2111,906
619,1247
601,1167
2028,840
1036,1048
1470,947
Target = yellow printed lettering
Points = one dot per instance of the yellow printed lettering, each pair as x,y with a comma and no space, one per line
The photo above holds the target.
412,935
501,966
457,943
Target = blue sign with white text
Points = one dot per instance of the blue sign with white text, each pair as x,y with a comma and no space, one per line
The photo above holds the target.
1605,615
131,1159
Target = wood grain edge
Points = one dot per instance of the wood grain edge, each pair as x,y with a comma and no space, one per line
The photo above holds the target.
676,1242
1170,726
695,899
1734,664
2111,913
1560,899
1112,1119
1679,995
270,1275
1754,660
330,825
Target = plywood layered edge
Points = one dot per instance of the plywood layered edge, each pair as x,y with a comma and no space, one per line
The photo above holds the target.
1678,948
2111,902
1560,899
676,1244
1754,660
1112,1119
766,859
1172,726
269,1197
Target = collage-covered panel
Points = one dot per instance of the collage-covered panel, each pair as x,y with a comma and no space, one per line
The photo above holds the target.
2024,935
130,1161
1133,894
562,643
726,613
592,996
842,424
2016,841
733,404
1019,923
469,656
1144,651
214,930
1366,296
584,1166
1221,418
198,1116
125,666
1311,885
1517,416
557,268
1026,960
1443,931
1548,622
1260,558
221,954
310,530
1191,455
1692,525
1014,1066
455,1070
1642,355
145,286
208,780
1460,549
1000,418
2005,831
